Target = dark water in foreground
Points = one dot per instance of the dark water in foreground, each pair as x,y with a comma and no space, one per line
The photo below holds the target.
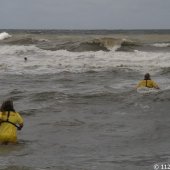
81,111
76,121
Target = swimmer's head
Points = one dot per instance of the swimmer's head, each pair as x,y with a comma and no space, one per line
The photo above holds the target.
147,76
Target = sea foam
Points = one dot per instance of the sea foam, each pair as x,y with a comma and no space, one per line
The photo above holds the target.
46,61
4,35
161,44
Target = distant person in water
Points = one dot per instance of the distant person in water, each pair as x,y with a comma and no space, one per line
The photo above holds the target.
25,58
147,82
10,122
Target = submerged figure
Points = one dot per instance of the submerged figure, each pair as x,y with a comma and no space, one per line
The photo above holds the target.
25,58
10,122
147,82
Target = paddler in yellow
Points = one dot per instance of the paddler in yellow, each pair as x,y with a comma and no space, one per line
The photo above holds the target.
10,122
147,82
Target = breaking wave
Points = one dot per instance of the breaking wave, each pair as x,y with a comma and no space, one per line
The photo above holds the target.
128,45
72,45
4,35
100,44
82,42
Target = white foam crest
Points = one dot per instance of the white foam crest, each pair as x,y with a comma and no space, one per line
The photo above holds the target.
99,61
161,44
114,48
4,35
17,49
44,61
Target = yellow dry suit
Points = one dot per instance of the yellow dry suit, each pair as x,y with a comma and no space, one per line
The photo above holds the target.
8,126
147,83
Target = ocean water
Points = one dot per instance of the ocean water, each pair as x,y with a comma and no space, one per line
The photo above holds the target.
76,94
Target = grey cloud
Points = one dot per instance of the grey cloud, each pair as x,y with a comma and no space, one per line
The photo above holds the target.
85,14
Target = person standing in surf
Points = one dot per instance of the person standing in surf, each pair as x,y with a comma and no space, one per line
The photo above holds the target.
25,59
10,122
147,82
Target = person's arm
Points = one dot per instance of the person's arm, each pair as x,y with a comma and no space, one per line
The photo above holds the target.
20,121
20,126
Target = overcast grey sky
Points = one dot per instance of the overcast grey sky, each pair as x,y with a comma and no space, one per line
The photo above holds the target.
85,14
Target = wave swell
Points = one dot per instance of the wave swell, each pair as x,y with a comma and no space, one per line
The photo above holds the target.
84,42
72,44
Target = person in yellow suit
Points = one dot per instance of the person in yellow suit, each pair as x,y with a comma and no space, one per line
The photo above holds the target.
10,122
147,82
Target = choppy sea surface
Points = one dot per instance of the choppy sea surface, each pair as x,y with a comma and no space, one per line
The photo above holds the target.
76,95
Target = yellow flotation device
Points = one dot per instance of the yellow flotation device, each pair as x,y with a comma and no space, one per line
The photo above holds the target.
8,126
147,83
